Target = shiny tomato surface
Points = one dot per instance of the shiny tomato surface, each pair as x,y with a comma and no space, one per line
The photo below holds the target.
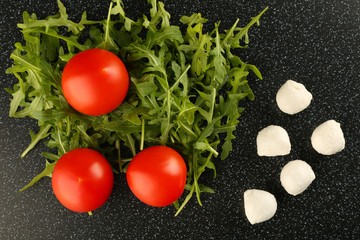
95,82
82,180
157,176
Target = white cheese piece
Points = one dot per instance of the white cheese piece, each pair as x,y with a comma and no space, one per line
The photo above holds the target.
273,141
328,138
259,205
292,97
296,176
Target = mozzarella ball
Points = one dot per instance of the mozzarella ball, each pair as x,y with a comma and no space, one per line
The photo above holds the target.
328,138
259,205
292,97
273,141
296,176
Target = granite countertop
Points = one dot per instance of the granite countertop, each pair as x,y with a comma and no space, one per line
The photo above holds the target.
313,42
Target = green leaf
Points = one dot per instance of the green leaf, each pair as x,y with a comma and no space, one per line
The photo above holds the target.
255,70
35,138
193,19
54,21
23,62
211,166
59,141
47,172
146,88
244,32
137,51
200,57
50,156
88,140
118,10
108,43
209,100
205,189
187,111
205,146
176,204
131,113
219,61
171,34
18,97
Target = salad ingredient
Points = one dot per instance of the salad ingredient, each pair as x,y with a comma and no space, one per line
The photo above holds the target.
184,92
157,176
259,205
82,180
273,141
95,81
296,176
293,97
328,138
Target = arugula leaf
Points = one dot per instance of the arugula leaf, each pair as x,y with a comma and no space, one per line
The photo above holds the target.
35,138
47,172
185,88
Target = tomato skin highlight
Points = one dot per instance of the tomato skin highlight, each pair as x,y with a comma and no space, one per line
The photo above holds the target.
82,180
95,82
157,176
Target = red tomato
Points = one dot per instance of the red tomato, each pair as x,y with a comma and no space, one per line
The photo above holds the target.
95,82
157,176
82,180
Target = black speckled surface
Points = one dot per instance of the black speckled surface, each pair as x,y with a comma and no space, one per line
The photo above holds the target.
312,42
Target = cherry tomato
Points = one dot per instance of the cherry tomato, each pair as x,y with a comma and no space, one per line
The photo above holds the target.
157,176
95,82
82,180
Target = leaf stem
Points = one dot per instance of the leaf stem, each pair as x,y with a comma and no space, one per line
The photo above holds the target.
165,135
230,32
41,134
47,172
62,147
142,134
88,138
197,189
131,144
66,39
17,58
117,146
178,80
188,197
106,39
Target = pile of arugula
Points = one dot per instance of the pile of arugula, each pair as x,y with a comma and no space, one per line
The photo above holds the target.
184,93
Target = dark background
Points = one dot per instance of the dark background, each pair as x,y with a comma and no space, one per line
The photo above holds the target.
313,42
